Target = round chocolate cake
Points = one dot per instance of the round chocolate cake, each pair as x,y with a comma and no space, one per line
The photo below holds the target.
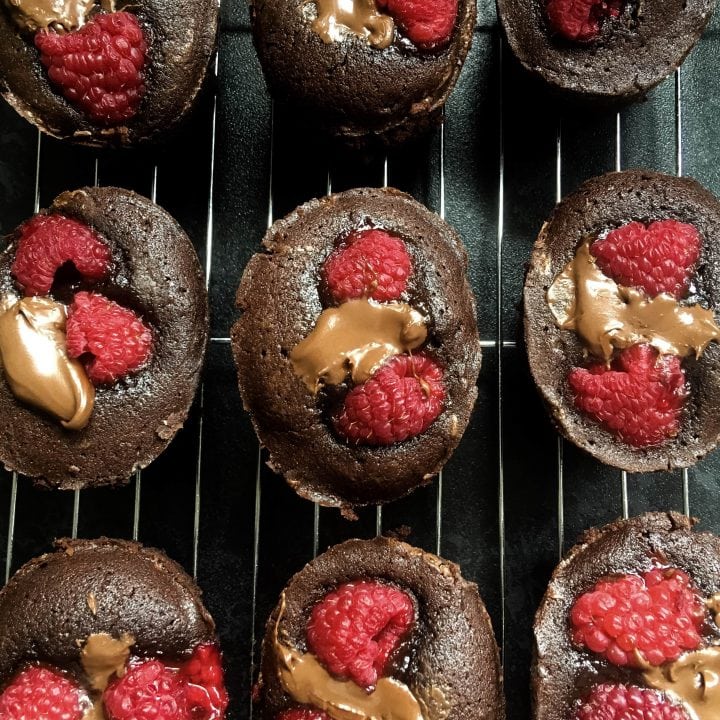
103,329
101,73
105,628
629,624
378,628
380,70
603,50
621,336
357,348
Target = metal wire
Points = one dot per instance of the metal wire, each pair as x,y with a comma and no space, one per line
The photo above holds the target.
560,441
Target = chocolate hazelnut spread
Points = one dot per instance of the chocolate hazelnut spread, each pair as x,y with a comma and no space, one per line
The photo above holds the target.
36,364
335,18
713,604
308,683
355,339
103,656
694,679
606,315
34,15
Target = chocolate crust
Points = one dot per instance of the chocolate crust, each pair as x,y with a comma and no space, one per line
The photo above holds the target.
46,609
455,650
633,55
181,41
350,89
280,301
157,273
601,203
562,673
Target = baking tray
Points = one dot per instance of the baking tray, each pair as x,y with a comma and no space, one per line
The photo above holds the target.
513,496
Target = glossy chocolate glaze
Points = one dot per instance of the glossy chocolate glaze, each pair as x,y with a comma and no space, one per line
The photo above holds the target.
608,202
156,272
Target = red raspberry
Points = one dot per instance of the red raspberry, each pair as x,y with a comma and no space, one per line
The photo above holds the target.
116,338
41,694
401,400
626,702
100,67
147,691
205,684
353,629
580,20
303,713
47,242
639,399
370,263
429,24
656,616
659,258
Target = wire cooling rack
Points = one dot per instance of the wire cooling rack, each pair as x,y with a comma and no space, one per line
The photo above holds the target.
514,495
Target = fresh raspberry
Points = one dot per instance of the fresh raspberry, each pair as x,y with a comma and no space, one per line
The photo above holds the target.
370,263
354,629
41,694
580,20
205,685
117,340
626,702
659,258
303,713
401,400
635,619
639,398
47,242
99,67
429,24
147,691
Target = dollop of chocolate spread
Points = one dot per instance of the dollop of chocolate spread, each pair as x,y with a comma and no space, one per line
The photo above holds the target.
606,315
103,656
335,18
354,339
36,364
308,683
693,679
63,15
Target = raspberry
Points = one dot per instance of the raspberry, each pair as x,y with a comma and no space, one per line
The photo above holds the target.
401,400
580,20
47,242
639,399
626,702
99,67
147,691
205,685
632,619
659,258
370,263
41,694
303,713
117,340
429,24
353,629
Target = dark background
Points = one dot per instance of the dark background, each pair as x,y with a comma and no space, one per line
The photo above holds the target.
505,510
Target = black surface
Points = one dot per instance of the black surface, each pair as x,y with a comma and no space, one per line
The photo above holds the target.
492,96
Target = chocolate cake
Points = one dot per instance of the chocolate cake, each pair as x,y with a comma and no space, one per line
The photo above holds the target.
621,50
673,333
668,567
366,74
95,615
356,298
175,41
422,642
128,332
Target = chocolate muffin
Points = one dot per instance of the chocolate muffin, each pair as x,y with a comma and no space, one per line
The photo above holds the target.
619,324
107,629
357,348
378,628
630,623
603,51
381,70
105,73
103,329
